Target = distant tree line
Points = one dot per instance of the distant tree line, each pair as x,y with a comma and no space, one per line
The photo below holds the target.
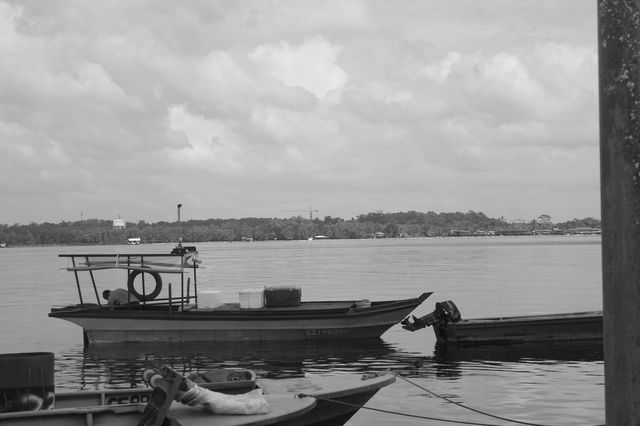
370,225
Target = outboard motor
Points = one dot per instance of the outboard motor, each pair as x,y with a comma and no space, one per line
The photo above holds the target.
445,312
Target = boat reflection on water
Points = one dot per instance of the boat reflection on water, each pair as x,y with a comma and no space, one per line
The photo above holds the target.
120,366
450,360
518,352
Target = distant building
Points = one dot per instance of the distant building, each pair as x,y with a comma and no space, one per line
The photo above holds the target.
119,224
585,230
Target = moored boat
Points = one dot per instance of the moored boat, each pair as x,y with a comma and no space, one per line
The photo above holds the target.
172,400
283,408
154,313
338,398
450,328
306,401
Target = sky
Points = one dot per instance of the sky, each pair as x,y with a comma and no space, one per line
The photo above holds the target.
125,108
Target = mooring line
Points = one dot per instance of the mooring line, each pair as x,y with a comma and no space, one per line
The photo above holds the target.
397,413
461,405
417,416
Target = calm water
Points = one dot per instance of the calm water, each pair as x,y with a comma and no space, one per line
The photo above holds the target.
554,385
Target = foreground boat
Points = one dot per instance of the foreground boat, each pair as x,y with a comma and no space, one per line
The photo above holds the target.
308,401
176,314
337,398
450,328
173,400
284,408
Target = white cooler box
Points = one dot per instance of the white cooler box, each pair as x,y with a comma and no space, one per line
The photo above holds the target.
209,299
252,298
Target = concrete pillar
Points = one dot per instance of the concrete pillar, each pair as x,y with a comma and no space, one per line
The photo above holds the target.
619,79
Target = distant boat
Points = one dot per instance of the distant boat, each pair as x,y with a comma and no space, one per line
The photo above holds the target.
450,328
3,245
266,314
135,241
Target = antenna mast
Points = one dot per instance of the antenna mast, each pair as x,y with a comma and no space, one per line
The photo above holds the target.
179,231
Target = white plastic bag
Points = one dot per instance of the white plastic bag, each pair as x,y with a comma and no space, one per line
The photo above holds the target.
252,402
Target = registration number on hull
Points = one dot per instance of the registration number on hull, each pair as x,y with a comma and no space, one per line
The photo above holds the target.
128,399
326,331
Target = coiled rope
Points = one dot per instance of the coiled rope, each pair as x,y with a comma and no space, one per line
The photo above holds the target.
459,404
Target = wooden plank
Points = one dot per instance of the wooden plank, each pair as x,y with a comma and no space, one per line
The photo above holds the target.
619,82
130,268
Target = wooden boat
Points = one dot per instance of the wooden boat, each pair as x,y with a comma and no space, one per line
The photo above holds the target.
175,314
284,408
154,407
450,328
338,398
293,402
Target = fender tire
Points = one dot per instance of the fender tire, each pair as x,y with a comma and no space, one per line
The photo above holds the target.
149,296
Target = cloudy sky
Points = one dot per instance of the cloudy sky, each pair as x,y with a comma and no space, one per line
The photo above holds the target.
261,108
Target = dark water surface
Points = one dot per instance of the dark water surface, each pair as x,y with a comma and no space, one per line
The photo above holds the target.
559,384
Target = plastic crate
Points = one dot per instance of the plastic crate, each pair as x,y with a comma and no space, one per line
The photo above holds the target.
282,296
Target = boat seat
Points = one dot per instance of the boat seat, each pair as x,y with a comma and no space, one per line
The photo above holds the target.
160,401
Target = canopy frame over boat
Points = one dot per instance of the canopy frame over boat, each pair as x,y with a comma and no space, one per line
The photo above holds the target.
180,262
178,317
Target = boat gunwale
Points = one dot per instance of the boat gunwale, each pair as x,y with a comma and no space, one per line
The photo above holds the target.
538,318
91,409
367,384
378,382
266,313
116,255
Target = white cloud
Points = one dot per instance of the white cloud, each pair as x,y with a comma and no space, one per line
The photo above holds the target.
356,104
210,143
440,71
311,65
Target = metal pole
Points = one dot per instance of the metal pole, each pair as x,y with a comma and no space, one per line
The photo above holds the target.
75,272
179,231
619,80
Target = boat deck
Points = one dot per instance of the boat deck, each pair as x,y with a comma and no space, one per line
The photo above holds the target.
324,307
304,306
539,318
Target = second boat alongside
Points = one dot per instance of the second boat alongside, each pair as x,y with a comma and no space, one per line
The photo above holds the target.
450,328
152,313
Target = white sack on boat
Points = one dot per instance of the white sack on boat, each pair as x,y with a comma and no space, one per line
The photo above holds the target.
252,402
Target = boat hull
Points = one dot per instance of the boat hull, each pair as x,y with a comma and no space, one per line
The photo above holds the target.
584,326
309,321
338,397
283,409
331,394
